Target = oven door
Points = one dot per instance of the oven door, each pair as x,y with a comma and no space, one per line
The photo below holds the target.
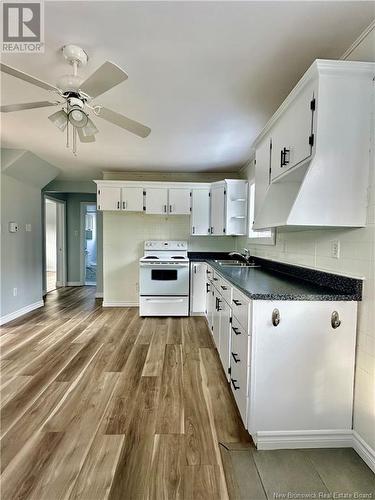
164,279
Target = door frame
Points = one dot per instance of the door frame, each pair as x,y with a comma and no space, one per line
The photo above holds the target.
83,205
61,268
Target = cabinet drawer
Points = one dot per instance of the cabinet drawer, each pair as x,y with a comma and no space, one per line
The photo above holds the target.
241,308
239,388
225,289
240,345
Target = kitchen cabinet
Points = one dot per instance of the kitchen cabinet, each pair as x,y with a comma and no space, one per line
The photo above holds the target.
132,199
179,201
156,201
109,198
224,335
291,135
200,212
262,172
291,364
217,209
229,207
198,292
314,148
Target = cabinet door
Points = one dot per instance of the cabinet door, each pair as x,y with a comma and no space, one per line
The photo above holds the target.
109,198
200,212
291,133
132,199
179,201
156,201
217,210
224,337
210,304
262,173
198,288
303,363
236,207
216,318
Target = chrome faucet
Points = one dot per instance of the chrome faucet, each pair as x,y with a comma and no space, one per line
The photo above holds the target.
244,256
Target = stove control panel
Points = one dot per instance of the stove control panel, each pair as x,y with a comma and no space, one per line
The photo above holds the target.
165,245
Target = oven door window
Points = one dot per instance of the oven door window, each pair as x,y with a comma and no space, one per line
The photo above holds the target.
164,274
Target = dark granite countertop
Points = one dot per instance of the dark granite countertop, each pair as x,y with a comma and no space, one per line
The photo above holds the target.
280,281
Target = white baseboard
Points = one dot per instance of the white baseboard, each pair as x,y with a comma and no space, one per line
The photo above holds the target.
197,314
278,440
119,303
60,283
99,295
74,283
364,450
20,312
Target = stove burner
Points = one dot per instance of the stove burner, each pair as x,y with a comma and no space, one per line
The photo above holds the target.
153,257
178,257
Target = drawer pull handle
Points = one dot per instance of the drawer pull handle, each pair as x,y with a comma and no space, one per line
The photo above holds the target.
224,287
275,317
335,320
235,387
236,330
237,302
235,357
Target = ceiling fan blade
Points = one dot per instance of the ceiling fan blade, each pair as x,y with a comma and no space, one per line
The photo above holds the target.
27,78
27,105
85,138
124,122
107,76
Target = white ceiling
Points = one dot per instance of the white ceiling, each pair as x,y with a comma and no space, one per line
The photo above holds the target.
205,76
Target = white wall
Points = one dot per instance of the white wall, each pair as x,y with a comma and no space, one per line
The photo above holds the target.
51,234
312,248
123,238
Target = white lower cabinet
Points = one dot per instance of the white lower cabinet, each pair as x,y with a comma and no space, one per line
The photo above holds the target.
291,365
198,287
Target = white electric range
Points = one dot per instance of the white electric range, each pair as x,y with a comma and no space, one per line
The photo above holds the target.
164,279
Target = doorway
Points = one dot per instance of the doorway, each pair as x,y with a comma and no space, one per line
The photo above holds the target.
88,243
54,237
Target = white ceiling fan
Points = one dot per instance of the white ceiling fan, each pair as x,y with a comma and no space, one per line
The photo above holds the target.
76,98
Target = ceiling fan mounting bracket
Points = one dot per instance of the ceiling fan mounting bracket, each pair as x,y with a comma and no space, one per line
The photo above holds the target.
75,55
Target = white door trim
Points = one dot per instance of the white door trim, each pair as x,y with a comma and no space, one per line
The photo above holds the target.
83,205
61,268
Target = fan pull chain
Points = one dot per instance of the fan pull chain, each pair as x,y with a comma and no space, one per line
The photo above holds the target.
75,141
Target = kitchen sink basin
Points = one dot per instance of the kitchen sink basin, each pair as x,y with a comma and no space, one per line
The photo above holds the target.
235,263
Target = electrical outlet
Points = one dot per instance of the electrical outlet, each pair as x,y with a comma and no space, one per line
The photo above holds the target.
13,227
335,249
15,291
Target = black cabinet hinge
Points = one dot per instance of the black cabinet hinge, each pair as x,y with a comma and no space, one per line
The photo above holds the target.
209,194
312,104
98,207
144,193
98,191
230,319
225,192
191,194
190,209
223,229
229,370
144,209
311,140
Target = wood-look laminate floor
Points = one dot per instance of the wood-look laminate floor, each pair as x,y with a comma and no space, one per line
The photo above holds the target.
98,403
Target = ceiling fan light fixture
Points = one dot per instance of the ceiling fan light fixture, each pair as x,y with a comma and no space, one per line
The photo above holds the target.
89,129
60,119
77,117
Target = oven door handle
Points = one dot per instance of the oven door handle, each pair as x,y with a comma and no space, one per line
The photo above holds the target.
162,266
162,301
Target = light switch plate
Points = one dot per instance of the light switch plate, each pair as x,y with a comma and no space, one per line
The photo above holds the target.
335,249
13,227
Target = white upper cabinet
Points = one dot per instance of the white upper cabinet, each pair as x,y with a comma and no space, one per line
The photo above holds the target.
109,198
200,212
156,200
132,199
262,172
292,133
320,150
179,201
236,195
218,209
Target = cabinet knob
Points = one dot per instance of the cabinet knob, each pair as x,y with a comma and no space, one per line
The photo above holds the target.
275,317
335,320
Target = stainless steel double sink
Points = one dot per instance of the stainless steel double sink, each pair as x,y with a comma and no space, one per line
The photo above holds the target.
235,263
